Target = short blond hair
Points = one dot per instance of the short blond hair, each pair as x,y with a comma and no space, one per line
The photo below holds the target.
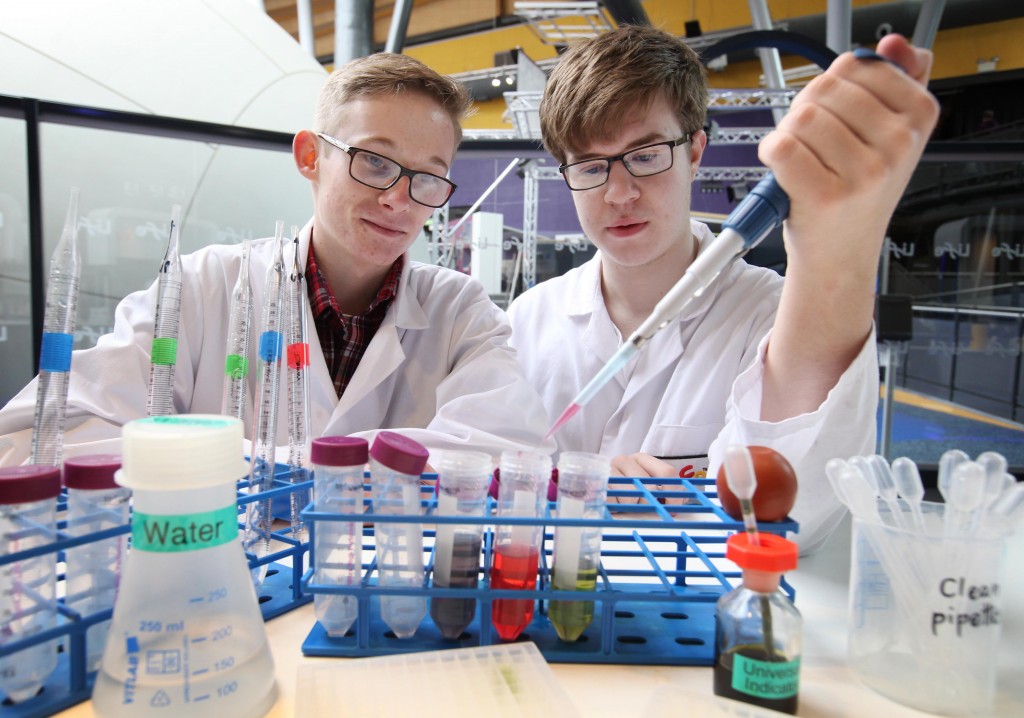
598,79
387,73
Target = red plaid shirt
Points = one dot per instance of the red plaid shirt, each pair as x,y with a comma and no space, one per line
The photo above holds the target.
344,337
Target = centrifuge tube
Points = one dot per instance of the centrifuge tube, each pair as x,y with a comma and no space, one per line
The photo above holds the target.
236,364
521,494
338,465
28,586
164,353
58,338
462,481
187,637
396,463
259,517
582,487
298,390
95,503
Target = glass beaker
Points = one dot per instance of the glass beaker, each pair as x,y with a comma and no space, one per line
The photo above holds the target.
95,503
338,463
187,637
521,494
582,487
396,463
462,480
28,519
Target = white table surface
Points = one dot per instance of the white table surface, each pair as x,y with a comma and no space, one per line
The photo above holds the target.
827,687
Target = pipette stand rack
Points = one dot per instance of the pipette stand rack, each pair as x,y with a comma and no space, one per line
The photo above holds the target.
663,567
71,683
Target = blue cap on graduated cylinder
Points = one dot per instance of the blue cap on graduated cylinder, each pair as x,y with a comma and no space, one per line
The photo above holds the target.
169,453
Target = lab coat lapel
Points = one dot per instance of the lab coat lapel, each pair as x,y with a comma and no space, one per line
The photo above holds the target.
586,303
384,355
322,398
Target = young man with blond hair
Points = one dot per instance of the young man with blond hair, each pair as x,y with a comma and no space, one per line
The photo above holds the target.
398,345
754,360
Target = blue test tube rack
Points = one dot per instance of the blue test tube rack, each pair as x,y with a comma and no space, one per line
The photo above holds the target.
657,584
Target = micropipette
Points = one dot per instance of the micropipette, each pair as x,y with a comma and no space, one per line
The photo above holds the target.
58,338
236,364
761,211
262,461
298,389
164,353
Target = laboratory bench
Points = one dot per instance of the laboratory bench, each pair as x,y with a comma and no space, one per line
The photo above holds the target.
828,688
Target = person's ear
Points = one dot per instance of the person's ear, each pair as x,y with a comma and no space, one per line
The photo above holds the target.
304,151
698,141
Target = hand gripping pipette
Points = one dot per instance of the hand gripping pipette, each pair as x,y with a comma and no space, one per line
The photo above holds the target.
298,389
164,353
236,364
58,338
761,211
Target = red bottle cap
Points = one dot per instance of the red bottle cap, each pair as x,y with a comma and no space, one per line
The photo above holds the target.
399,453
339,451
93,472
774,555
28,483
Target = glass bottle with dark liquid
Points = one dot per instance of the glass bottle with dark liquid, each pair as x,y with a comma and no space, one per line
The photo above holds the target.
462,478
758,630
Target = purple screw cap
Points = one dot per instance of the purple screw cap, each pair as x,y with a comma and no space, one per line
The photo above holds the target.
399,453
93,472
339,451
28,483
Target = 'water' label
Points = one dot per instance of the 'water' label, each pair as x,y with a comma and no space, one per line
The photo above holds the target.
185,532
765,679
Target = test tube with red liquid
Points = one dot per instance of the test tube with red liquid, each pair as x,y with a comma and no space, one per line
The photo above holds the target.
521,494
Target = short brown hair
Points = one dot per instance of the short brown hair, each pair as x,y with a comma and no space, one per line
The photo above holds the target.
598,78
388,73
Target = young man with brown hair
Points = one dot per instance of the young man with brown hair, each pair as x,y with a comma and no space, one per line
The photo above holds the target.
755,360
399,345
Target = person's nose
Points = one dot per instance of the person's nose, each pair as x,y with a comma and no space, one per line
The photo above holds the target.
621,187
397,196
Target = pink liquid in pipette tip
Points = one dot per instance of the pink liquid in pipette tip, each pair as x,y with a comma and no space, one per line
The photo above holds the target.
570,412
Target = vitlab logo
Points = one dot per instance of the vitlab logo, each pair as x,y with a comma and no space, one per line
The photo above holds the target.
904,249
132,674
954,251
1005,250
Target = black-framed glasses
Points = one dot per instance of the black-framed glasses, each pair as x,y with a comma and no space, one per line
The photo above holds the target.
640,162
380,172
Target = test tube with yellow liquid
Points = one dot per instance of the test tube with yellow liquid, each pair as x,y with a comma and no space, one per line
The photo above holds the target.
582,488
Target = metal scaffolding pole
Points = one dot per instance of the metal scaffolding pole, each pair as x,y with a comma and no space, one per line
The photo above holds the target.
353,30
307,39
838,25
771,63
399,26
928,23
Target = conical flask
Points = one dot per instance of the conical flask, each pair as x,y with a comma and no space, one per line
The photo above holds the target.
187,637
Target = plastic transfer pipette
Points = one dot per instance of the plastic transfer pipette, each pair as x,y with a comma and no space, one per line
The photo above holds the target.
264,444
236,364
164,353
761,211
58,338
298,388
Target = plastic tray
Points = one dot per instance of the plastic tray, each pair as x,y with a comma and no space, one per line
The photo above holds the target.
662,570
70,683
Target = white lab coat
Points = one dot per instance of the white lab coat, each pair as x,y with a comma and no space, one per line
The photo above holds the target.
696,387
439,368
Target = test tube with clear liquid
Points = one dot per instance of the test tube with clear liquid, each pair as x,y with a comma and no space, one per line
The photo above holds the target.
462,481
259,517
582,488
164,353
522,492
396,463
338,464
58,339
236,363
298,390
28,586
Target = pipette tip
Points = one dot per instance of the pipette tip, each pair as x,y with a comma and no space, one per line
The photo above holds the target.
570,412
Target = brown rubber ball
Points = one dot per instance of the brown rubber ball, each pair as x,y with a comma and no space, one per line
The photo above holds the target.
776,486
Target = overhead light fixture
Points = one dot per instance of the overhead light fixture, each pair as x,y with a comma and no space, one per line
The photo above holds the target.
509,80
496,82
